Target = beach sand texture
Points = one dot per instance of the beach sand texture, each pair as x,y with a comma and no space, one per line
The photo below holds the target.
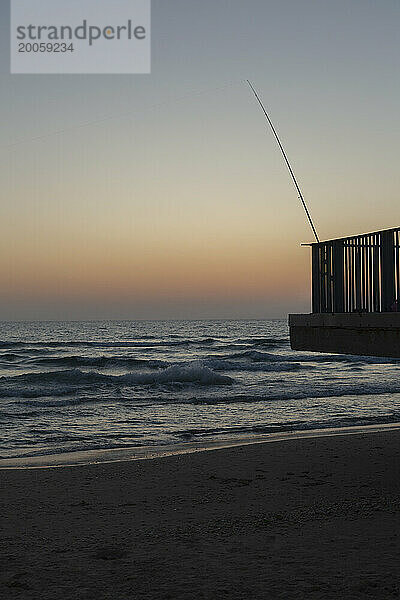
306,518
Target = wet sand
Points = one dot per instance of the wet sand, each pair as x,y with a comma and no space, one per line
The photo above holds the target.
305,518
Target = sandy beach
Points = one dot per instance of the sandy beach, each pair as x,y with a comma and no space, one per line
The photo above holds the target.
306,518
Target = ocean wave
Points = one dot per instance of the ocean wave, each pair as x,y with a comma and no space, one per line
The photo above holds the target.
222,364
100,362
192,373
35,391
355,390
262,341
17,415
11,357
250,361
215,363
283,426
66,381
11,344
62,402
56,395
257,356
144,342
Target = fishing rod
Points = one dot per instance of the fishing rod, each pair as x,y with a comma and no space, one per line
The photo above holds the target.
287,161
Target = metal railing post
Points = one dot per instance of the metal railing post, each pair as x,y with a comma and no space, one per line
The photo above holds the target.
316,279
387,270
338,277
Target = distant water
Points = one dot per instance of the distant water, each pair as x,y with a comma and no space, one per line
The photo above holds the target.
94,385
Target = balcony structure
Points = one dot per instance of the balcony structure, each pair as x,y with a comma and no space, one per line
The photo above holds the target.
355,297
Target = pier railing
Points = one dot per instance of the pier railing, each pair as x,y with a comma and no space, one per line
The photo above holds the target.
357,274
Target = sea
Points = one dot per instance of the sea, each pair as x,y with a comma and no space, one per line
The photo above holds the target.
70,387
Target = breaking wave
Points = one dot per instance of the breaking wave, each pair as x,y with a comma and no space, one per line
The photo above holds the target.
67,381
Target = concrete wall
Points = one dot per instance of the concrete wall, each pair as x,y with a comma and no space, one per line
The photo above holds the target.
369,334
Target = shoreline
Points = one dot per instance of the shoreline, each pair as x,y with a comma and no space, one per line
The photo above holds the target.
136,453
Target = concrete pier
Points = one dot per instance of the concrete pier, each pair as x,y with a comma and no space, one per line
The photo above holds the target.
366,334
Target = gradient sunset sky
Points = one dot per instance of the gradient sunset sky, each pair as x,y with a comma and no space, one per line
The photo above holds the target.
180,205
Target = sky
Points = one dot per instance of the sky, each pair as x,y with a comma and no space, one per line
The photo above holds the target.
165,195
